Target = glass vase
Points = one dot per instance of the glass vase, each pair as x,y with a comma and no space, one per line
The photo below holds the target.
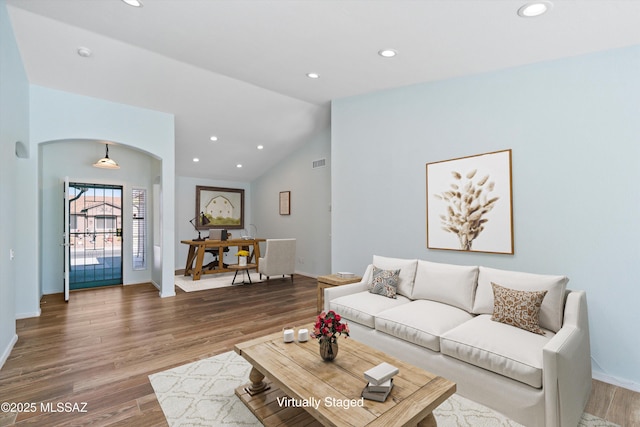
328,349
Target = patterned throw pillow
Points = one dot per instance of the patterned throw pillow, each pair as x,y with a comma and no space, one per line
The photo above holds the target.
518,308
384,282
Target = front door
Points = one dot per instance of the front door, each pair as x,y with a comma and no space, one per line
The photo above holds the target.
95,230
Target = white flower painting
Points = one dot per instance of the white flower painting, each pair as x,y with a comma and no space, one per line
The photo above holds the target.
469,204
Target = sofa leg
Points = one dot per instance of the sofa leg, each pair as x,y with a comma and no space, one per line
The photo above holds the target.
292,278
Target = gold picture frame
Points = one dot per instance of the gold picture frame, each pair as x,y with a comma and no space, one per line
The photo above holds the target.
470,204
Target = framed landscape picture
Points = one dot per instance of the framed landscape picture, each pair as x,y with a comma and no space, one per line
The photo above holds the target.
469,204
218,207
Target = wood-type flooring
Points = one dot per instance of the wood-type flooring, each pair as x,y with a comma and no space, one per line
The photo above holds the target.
90,358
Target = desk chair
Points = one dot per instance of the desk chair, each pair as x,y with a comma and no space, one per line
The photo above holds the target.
214,264
216,234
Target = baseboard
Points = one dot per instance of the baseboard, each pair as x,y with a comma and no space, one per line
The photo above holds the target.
172,293
28,315
618,382
302,273
7,351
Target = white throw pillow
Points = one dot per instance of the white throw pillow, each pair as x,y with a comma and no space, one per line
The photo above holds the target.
552,308
447,283
407,269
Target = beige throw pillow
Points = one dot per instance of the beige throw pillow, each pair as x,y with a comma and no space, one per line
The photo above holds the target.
552,309
518,308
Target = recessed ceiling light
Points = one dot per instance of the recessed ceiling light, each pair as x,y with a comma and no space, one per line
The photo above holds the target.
313,75
531,10
238,165
85,52
134,3
214,138
260,147
387,53
196,160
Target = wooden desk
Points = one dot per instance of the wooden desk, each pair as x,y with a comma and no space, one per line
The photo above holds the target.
197,250
330,281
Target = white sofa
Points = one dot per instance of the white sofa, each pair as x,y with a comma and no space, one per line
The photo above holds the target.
441,321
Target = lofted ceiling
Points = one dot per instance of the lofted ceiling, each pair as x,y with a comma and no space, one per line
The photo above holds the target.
237,68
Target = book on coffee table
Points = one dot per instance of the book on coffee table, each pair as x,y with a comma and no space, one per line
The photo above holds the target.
381,388
380,373
378,393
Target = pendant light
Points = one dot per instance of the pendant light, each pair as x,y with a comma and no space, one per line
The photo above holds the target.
106,162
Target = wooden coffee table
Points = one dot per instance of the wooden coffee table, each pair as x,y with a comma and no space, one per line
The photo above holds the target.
302,389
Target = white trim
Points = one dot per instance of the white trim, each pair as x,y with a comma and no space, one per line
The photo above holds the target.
619,382
172,293
7,351
302,273
28,315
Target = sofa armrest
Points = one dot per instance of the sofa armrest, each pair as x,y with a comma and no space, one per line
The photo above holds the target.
340,291
567,365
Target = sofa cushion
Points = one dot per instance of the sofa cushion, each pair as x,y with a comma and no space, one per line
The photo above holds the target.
447,283
362,307
384,282
407,269
518,308
500,348
421,322
552,308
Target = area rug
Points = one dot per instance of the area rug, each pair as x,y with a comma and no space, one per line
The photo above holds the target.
213,281
202,394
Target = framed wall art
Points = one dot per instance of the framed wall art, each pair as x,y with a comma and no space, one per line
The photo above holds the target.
285,203
218,207
469,204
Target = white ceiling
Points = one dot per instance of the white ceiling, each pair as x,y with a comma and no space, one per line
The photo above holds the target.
237,68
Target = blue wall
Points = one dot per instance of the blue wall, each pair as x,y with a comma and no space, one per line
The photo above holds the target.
56,116
573,126
14,126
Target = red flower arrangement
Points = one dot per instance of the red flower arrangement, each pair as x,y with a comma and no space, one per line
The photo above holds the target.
328,326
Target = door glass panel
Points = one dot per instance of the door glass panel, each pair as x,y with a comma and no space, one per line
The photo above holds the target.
96,235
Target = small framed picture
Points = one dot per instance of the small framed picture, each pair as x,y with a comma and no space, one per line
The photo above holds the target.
285,203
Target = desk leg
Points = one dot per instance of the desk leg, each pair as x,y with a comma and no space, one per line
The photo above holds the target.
199,258
190,257
256,253
220,258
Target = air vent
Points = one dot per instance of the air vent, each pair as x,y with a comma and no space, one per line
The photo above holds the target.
319,163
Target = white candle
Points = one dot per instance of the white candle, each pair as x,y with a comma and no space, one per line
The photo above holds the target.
288,335
303,335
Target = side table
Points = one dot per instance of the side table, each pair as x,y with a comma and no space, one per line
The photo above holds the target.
331,280
243,268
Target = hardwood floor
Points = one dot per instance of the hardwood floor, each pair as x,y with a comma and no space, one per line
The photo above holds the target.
101,346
